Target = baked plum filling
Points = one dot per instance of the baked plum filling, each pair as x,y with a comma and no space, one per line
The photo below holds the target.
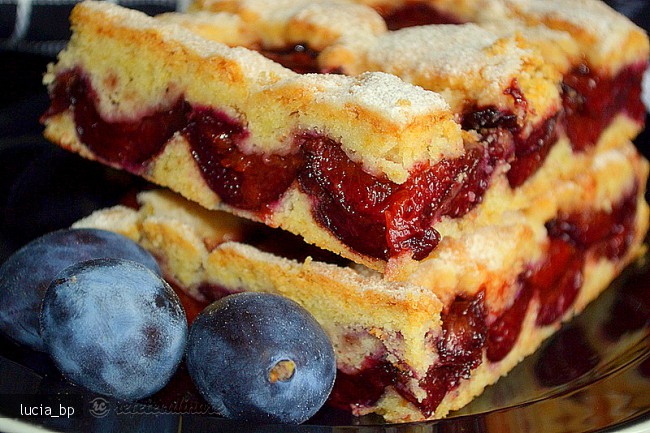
299,58
556,281
501,132
364,388
499,129
531,151
371,215
593,99
243,180
590,103
590,99
460,350
129,144
381,218
415,13
469,330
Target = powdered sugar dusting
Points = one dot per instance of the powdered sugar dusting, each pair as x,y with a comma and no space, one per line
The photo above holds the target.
280,11
602,22
272,13
382,93
251,62
379,92
592,15
342,19
385,90
443,50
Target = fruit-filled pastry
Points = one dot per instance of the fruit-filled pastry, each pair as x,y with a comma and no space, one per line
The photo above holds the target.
365,165
472,310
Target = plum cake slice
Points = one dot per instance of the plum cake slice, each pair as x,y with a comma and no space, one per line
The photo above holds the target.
468,313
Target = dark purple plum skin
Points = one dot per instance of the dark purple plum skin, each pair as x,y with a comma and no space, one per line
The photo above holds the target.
115,327
25,276
234,343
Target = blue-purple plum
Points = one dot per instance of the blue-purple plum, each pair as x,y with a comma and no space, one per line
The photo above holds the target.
25,275
115,327
261,357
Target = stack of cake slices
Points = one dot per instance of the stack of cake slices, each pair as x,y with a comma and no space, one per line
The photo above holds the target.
440,183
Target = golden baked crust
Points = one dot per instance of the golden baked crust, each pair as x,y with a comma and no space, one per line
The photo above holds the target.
195,249
522,57
369,317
